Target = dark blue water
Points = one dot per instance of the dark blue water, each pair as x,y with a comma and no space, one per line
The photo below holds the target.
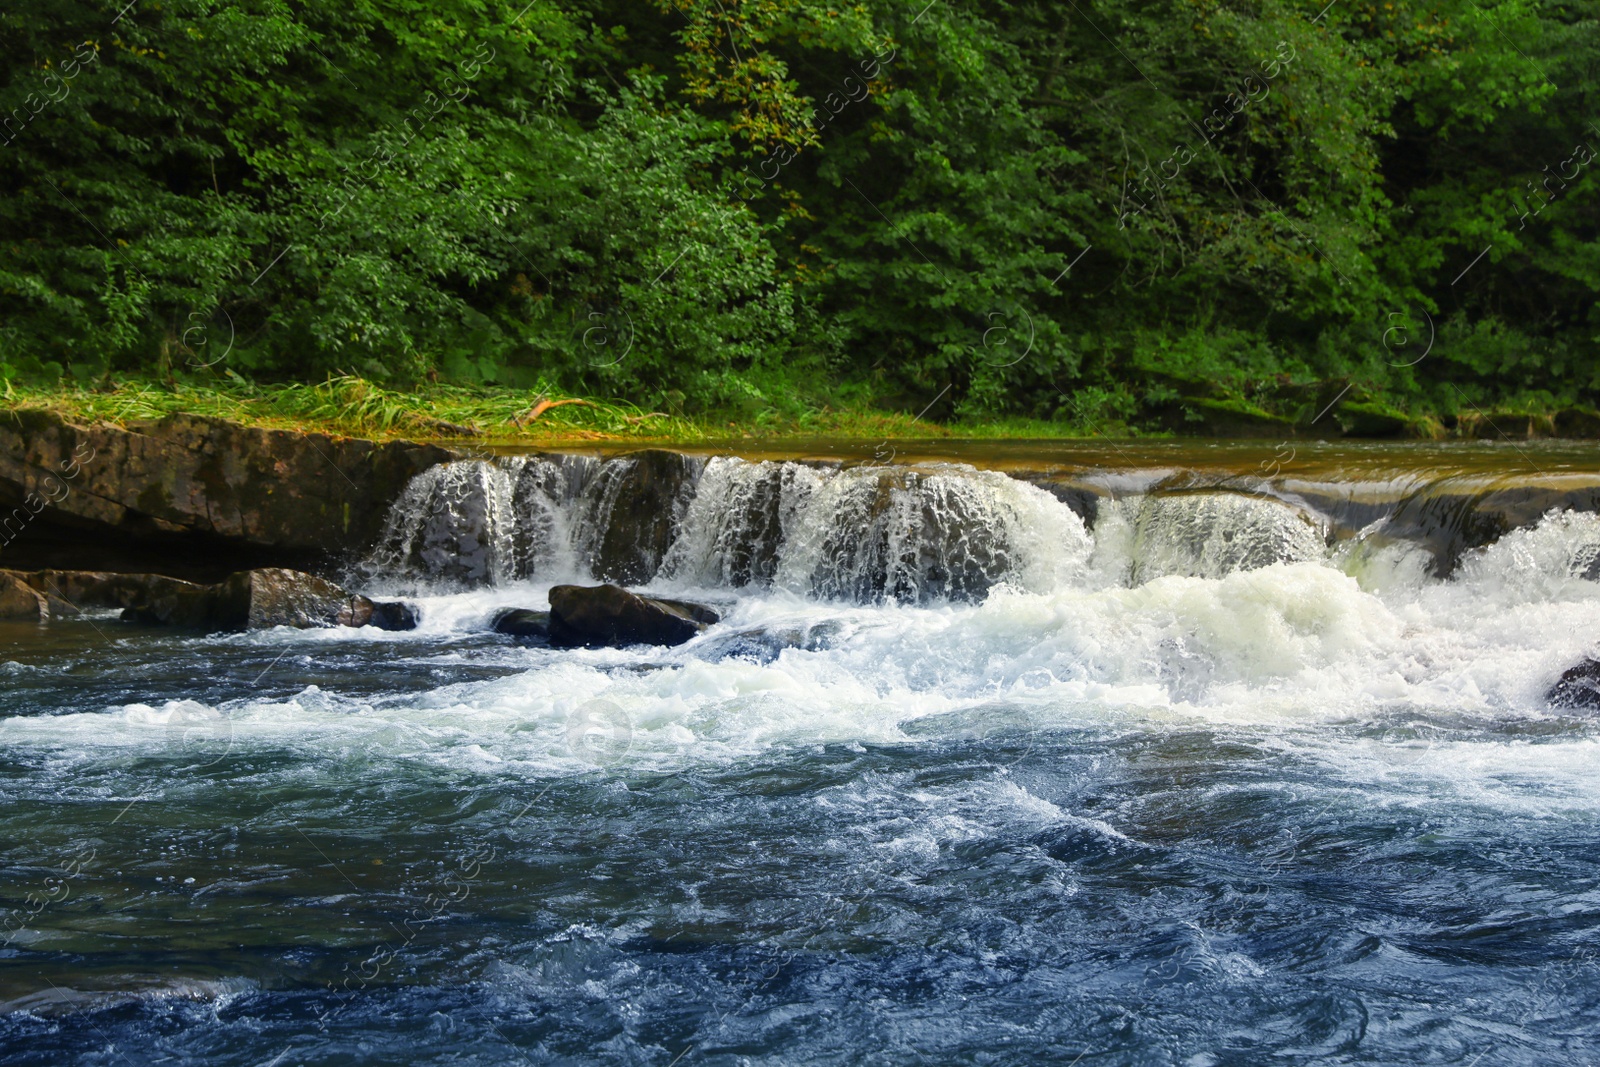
936,843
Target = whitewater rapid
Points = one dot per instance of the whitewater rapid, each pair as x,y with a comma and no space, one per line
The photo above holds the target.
1348,636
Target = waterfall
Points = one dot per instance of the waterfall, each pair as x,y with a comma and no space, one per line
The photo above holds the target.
741,516
454,524
913,533
479,522
918,534
1210,535
872,533
861,534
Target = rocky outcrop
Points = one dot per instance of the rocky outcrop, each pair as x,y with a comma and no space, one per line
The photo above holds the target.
263,598
248,600
185,482
69,593
609,616
20,601
1578,688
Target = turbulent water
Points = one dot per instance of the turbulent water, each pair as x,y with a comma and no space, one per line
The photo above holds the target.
969,773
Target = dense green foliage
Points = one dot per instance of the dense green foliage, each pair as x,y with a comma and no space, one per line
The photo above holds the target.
763,204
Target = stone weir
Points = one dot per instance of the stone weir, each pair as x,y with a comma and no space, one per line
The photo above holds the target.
199,499
952,521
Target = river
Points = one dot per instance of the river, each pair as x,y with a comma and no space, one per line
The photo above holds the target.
1002,754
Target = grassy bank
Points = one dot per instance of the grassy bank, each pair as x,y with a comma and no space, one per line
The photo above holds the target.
358,408
355,407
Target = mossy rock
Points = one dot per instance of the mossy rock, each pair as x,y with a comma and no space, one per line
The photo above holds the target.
1229,417
1185,386
1372,420
1504,425
1578,422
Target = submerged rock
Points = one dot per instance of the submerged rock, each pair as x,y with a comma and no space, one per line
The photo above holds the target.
765,645
609,616
1579,687
521,622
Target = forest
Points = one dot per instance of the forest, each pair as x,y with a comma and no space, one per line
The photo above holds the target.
1123,217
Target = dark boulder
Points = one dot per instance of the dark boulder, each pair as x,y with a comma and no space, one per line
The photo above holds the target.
394,616
521,622
1578,688
176,603
273,596
608,616
379,614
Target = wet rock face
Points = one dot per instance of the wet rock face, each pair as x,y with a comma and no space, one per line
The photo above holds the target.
455,526
160,481
248,600
633,512
1578,688
609,616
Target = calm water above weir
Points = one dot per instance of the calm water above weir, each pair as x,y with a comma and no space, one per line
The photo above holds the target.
1167,754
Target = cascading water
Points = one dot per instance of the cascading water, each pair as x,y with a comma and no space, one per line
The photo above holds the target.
871,533
860,534
456,523
1208,535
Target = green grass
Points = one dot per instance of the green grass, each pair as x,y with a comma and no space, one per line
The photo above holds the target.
355,407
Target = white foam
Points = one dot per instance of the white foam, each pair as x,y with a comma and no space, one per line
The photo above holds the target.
1290,648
